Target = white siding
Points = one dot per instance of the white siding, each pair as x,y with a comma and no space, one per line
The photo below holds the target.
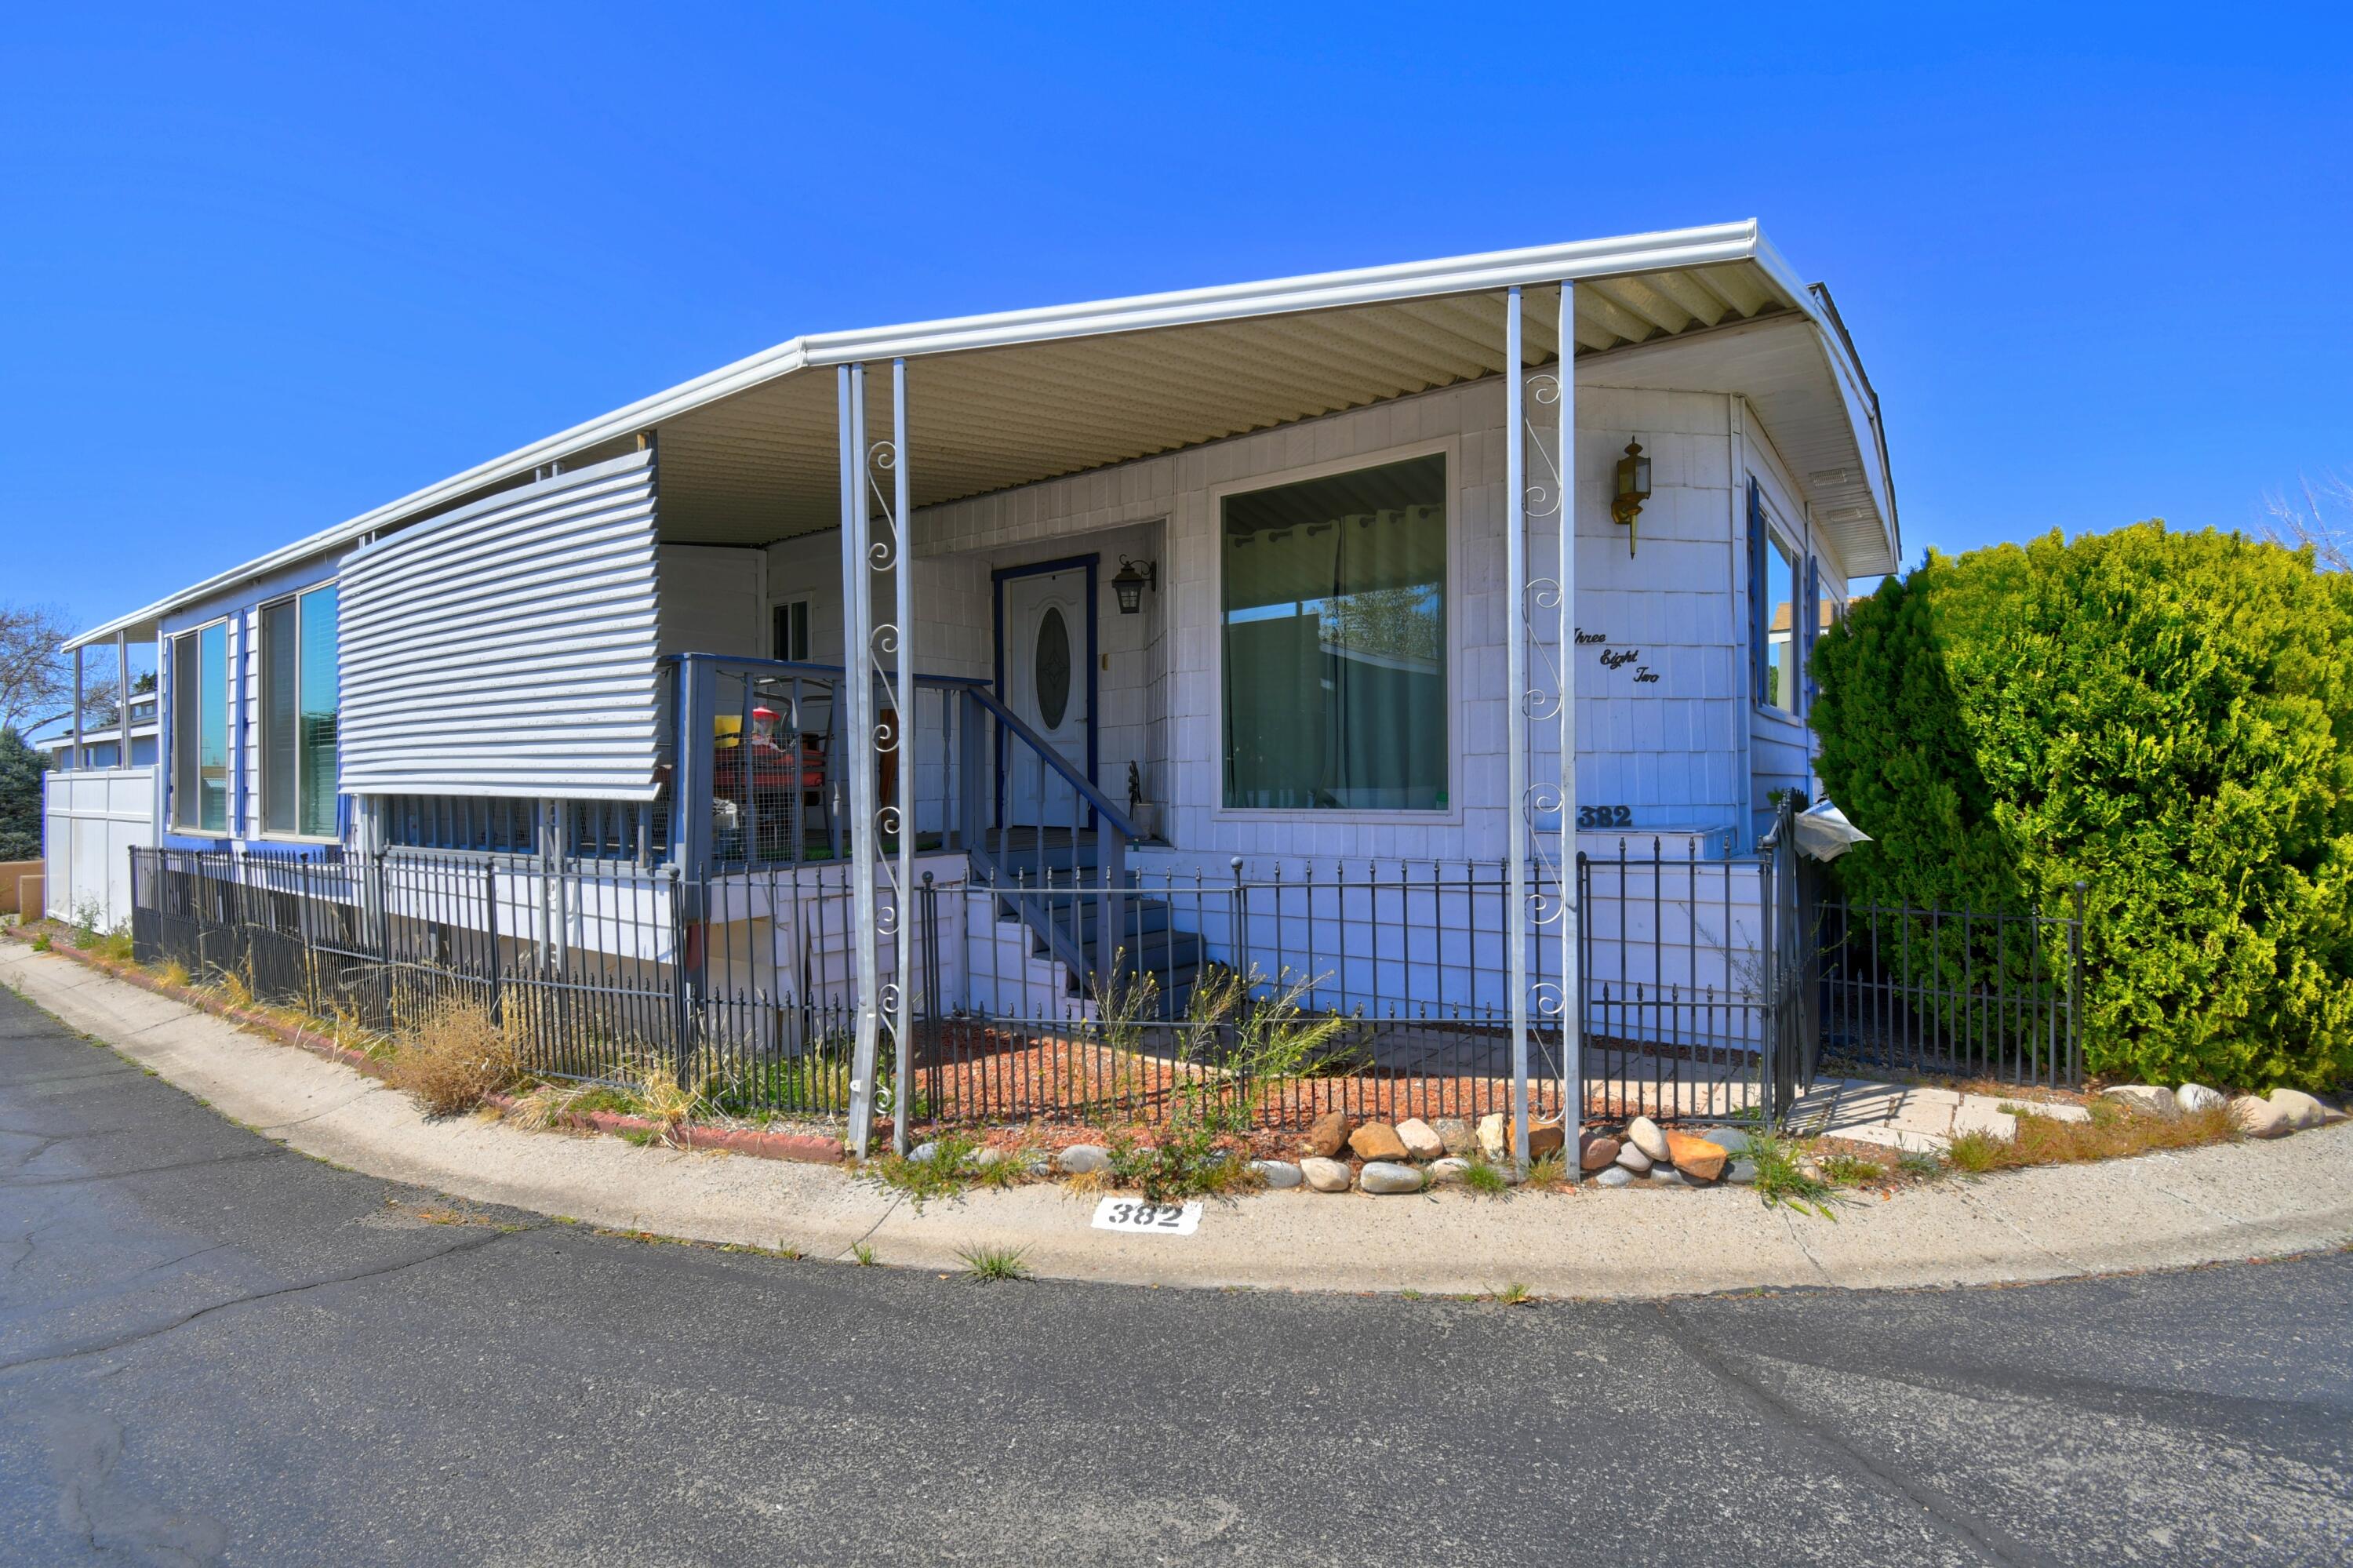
508,648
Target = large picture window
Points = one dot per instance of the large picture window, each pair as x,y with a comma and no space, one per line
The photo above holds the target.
299,709
200,729
1335,628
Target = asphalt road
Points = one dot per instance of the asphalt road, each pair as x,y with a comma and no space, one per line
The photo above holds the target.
213,1350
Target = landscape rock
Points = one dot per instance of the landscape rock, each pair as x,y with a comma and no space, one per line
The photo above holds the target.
1616,1176
2198,1098
1646,1135
1323,1175
1278,1174
991,1157
1082,1158
2301,1109
1389,1176
1377,1141
1978,1116
1420,1139
1741,1173
1599,1152
924,1152
1546,1137
1449,1171
1668,1176
1696,1157
1455,1134
1494,1135
1633,1160
1731,1139
2259,1119
1038,1161
1328,1134
2147,1098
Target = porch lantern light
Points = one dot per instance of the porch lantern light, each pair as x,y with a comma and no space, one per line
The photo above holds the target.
1131,583
1633,489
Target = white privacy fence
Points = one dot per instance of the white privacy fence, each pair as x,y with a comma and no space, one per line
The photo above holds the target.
93,818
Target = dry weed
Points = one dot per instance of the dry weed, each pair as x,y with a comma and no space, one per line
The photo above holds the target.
455,1056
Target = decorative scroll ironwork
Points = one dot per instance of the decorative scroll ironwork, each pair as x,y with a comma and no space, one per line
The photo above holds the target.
1541,451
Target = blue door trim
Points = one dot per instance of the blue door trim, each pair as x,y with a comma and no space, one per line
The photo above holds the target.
996,581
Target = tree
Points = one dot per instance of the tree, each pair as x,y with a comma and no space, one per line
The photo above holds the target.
2167,717
21,767
36,672
2319,518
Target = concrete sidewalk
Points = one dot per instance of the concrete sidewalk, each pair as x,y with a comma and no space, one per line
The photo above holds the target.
2160,1211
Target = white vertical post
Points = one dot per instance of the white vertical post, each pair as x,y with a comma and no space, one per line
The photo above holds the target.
122,697
856,700
1515,600
902,734
73,757
1572,982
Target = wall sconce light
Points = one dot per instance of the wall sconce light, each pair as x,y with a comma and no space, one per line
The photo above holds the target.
1131,583
1633,489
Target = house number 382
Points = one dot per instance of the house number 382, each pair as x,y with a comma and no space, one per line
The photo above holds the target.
1605,816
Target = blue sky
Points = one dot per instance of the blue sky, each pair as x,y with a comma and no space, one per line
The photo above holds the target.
265,270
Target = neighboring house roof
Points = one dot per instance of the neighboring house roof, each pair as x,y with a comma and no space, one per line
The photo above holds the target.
749,453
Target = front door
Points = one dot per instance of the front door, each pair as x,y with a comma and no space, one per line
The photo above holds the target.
1049,642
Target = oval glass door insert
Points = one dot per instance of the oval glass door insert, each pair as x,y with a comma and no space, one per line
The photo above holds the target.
1053,668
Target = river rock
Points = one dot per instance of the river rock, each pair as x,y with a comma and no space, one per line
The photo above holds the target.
1731,1139
1616,1176
1696,1157
1278,1174
2147,1098
1455,1134
1377,1141
1741,1173
1633,1160
2198,1098
2301,1109
1646,1135
1082,1158
1494,1135
2259,1119
1328,1134
1449,1171
1420,1139
1323,1175
1389,1176
1546,1137
924,1152
1668,1176
1599,1152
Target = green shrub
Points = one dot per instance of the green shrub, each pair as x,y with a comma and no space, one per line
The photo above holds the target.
2166,717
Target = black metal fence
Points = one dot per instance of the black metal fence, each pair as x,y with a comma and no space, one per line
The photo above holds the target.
1956,991
1271,991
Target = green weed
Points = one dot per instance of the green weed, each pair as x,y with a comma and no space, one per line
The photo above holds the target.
991,1264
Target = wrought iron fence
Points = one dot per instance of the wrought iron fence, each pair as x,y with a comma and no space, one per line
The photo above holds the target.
1958,991
1265,992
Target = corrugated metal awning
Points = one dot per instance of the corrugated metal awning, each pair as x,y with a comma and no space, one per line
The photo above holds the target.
749,455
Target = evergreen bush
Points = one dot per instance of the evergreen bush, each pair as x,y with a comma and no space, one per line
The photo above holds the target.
2167,716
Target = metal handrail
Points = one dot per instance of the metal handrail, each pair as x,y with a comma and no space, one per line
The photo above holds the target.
1054,758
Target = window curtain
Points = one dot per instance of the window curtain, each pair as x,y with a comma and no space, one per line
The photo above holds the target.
1335,662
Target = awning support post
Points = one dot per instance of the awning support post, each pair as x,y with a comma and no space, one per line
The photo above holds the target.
1515,593
122,698
856,702
1566,869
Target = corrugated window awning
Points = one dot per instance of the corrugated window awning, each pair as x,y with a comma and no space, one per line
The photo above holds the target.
508,648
